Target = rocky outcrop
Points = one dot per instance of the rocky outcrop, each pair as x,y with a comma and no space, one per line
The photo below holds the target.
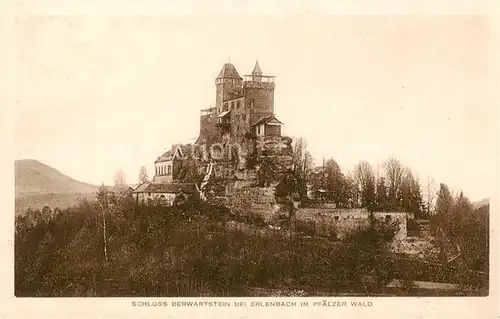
257,201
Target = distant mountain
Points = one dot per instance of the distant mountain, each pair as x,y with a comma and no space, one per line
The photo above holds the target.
481,203
38,185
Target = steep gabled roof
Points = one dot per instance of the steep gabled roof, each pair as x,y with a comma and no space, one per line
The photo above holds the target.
176,151
142,187
229,72
224,114
168,155
256,69
268,120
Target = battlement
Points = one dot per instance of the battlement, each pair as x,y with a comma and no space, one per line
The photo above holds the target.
258,85
209,111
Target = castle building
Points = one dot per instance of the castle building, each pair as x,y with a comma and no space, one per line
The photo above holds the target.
242,106
168,165
243,112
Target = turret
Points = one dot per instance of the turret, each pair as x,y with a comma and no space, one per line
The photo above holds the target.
257,72
259,93
227,79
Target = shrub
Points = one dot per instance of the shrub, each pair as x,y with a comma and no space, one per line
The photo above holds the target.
307,228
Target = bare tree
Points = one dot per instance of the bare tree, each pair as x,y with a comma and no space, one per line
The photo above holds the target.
143,175
394,174
102,199
430,192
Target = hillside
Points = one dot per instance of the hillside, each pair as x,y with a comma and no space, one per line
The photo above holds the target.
38,185
481,203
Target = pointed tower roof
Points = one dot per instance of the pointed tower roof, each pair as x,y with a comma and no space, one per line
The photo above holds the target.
229,72
256,69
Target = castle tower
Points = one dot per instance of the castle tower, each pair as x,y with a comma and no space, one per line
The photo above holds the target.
259,93
227,79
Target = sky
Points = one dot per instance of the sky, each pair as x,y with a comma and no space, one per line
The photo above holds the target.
100,93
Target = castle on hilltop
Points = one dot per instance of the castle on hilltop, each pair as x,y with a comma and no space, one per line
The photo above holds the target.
236,132
241,161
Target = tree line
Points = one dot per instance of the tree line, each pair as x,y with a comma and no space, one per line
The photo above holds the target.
466,226
395,188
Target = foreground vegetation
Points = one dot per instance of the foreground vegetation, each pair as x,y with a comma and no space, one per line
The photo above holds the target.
187,250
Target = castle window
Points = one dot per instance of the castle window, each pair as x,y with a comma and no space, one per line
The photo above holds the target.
238,104
169,169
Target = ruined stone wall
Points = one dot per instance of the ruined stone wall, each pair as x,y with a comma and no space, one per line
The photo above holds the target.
345,221
340,221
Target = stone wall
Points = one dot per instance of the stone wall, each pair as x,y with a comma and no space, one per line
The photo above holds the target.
256,201
339,221
318,204
344,221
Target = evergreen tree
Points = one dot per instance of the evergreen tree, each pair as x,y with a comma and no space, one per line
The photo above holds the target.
382,199
410,196
334,182
365,180
444,202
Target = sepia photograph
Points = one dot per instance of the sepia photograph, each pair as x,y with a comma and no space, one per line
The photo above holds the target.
242,155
